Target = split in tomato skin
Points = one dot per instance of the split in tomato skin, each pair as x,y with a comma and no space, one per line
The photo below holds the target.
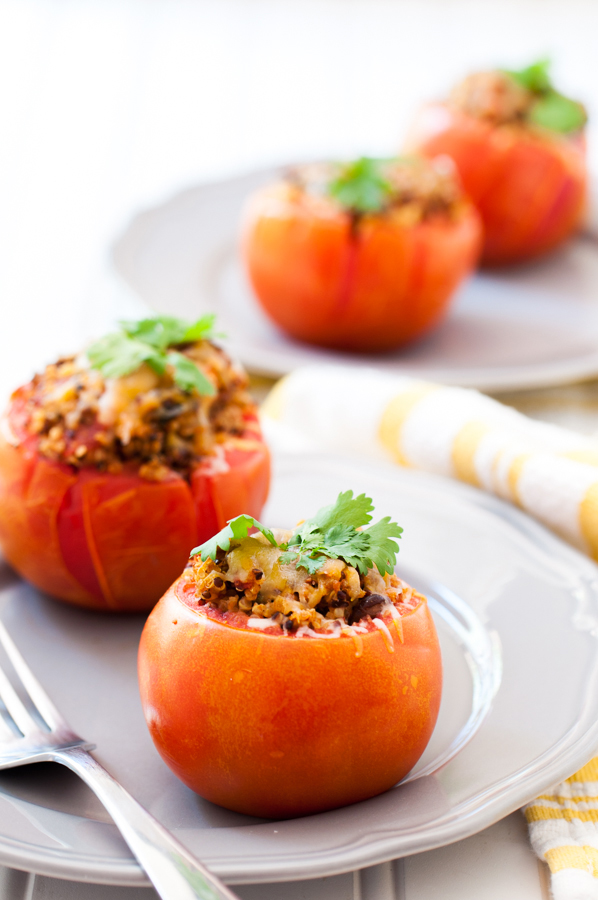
115,542
364,278
115,462
529,186
280,725
366,283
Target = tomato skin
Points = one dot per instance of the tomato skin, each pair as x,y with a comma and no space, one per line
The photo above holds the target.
286,726
530,188
115,542
372,288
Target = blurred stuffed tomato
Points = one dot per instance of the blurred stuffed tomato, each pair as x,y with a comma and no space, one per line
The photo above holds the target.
113,464
364,256
519,147
278,680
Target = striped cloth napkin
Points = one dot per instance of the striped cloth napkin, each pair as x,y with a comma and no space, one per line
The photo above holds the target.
548,471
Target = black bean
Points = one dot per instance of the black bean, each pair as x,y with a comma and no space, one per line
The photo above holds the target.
206,595
322,607
370,605
258,574
169,409
218,582
288,625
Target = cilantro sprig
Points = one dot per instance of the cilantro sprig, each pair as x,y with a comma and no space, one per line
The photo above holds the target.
152,341
236,530
335,532
550,109
361,186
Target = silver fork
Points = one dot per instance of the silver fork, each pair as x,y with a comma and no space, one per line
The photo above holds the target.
174,872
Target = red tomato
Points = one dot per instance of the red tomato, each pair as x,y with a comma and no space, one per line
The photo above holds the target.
115,542
370,287
280,726
530,187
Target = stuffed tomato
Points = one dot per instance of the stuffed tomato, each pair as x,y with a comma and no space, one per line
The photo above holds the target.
279,680
115,463
361,257
519,147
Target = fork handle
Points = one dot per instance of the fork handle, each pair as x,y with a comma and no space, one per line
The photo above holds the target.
173,871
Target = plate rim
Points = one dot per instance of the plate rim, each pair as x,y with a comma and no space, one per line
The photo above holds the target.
471,815
562,372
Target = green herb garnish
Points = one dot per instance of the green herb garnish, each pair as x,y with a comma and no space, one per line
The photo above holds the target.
331,534
558,113
534,78
361,186
149,341
550,109
236,530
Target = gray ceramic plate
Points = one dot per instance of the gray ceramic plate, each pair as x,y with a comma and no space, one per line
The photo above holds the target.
516,610
525,327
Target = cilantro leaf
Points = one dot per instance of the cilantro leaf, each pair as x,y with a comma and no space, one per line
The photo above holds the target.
348,510
159,332
558,113
361,186
382,550
331,534
237,529
147,341
188,376
116,355
168,331
303,561
534,78
202,329
550,109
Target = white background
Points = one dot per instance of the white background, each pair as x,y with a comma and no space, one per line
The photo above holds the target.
110,105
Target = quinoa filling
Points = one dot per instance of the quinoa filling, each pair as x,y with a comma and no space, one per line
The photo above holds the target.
413,189
492,96
79,417
526,99
250,579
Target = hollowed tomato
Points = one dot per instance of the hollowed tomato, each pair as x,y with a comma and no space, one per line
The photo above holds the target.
116,541
370,286
285,725
530,187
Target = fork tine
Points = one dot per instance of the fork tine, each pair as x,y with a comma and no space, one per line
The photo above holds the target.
38,696
24,721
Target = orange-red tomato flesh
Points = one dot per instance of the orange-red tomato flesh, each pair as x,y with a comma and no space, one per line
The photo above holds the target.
373,287
280,726
115,542
529,187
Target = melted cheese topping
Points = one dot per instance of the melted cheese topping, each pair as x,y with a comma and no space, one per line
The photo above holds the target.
119,393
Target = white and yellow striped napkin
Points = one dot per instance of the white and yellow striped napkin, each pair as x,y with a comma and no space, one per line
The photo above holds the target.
550,472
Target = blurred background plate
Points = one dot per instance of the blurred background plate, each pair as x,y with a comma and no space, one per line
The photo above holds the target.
508,599
524,327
